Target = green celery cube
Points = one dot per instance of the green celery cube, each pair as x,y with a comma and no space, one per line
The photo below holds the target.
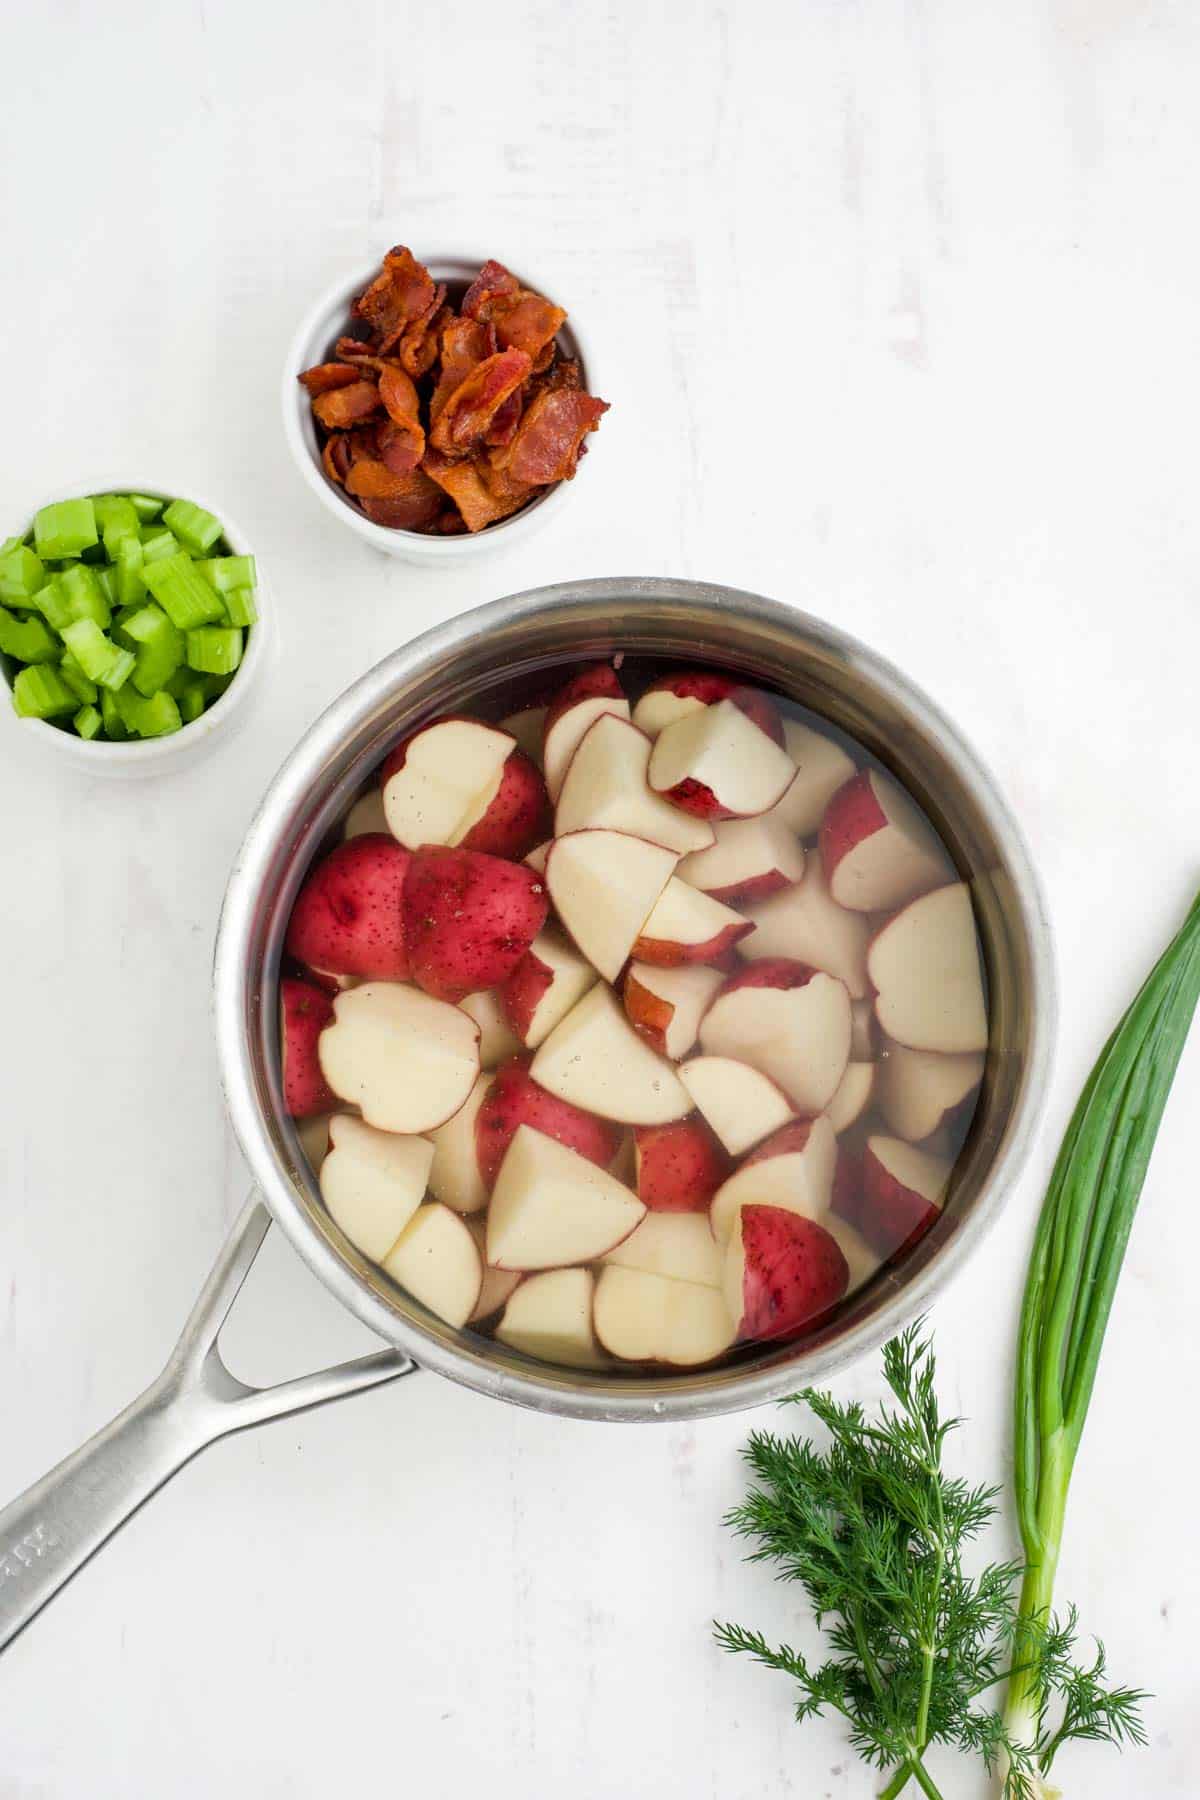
117,520
114,724
22,573
87,722
27,640
227,572
239,606
41,693
214,651
157,543
185,596
80,685
196,529
83,594
145,505
67,528
130,586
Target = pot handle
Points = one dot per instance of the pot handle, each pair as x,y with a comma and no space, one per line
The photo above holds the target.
50,1531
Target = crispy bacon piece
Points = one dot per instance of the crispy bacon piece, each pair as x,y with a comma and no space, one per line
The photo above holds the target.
336,458
464,343
417,505
401,292
492,281
469,411
371,479
526,321
363,441
503,428
418,347
329,375
546,447
400,446
344,406
523,320
481,493
398,394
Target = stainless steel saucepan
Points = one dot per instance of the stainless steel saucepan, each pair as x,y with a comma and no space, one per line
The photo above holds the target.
511,651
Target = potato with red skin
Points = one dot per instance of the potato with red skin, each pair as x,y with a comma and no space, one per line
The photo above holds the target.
798,1032
515,1099
679,1166
783,1273
717,762
519,815
469,919
878,851
584,699
348,918
513,819
304,1012
687,927
899,1195
706,687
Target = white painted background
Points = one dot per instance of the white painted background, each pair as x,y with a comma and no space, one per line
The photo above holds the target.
897,306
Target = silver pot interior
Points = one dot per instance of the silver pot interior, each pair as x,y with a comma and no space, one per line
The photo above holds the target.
507,655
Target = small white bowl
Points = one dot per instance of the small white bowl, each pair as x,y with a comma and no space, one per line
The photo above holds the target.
313,343
154,756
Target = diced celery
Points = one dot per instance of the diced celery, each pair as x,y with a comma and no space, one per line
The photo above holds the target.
107,577
79,684
196,529
27,640
51,602
100,659
145,505
10,544
214,651
41,693
160,648
130,586
152,717
158,543
227,572
184,596
22,573
87,721
192,695
117,520
239,606
114,724
67,528
84,595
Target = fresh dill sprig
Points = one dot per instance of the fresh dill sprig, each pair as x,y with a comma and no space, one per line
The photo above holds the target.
874,1531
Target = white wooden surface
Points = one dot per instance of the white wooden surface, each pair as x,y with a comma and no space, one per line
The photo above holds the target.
896,304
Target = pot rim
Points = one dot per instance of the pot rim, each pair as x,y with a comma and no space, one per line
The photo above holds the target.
553,1390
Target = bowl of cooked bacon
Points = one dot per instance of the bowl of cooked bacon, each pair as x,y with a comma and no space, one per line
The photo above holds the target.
434,408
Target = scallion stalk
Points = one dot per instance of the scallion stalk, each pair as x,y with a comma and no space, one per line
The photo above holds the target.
1078,1251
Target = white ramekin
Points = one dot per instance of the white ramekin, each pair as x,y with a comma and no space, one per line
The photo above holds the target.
154,756
312,344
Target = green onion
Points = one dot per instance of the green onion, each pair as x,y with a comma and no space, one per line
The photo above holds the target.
21,575
67,528
83,594
214,651
185,597
145,505
40,692
226,572
1078,1252
87,721
27,640
196,529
